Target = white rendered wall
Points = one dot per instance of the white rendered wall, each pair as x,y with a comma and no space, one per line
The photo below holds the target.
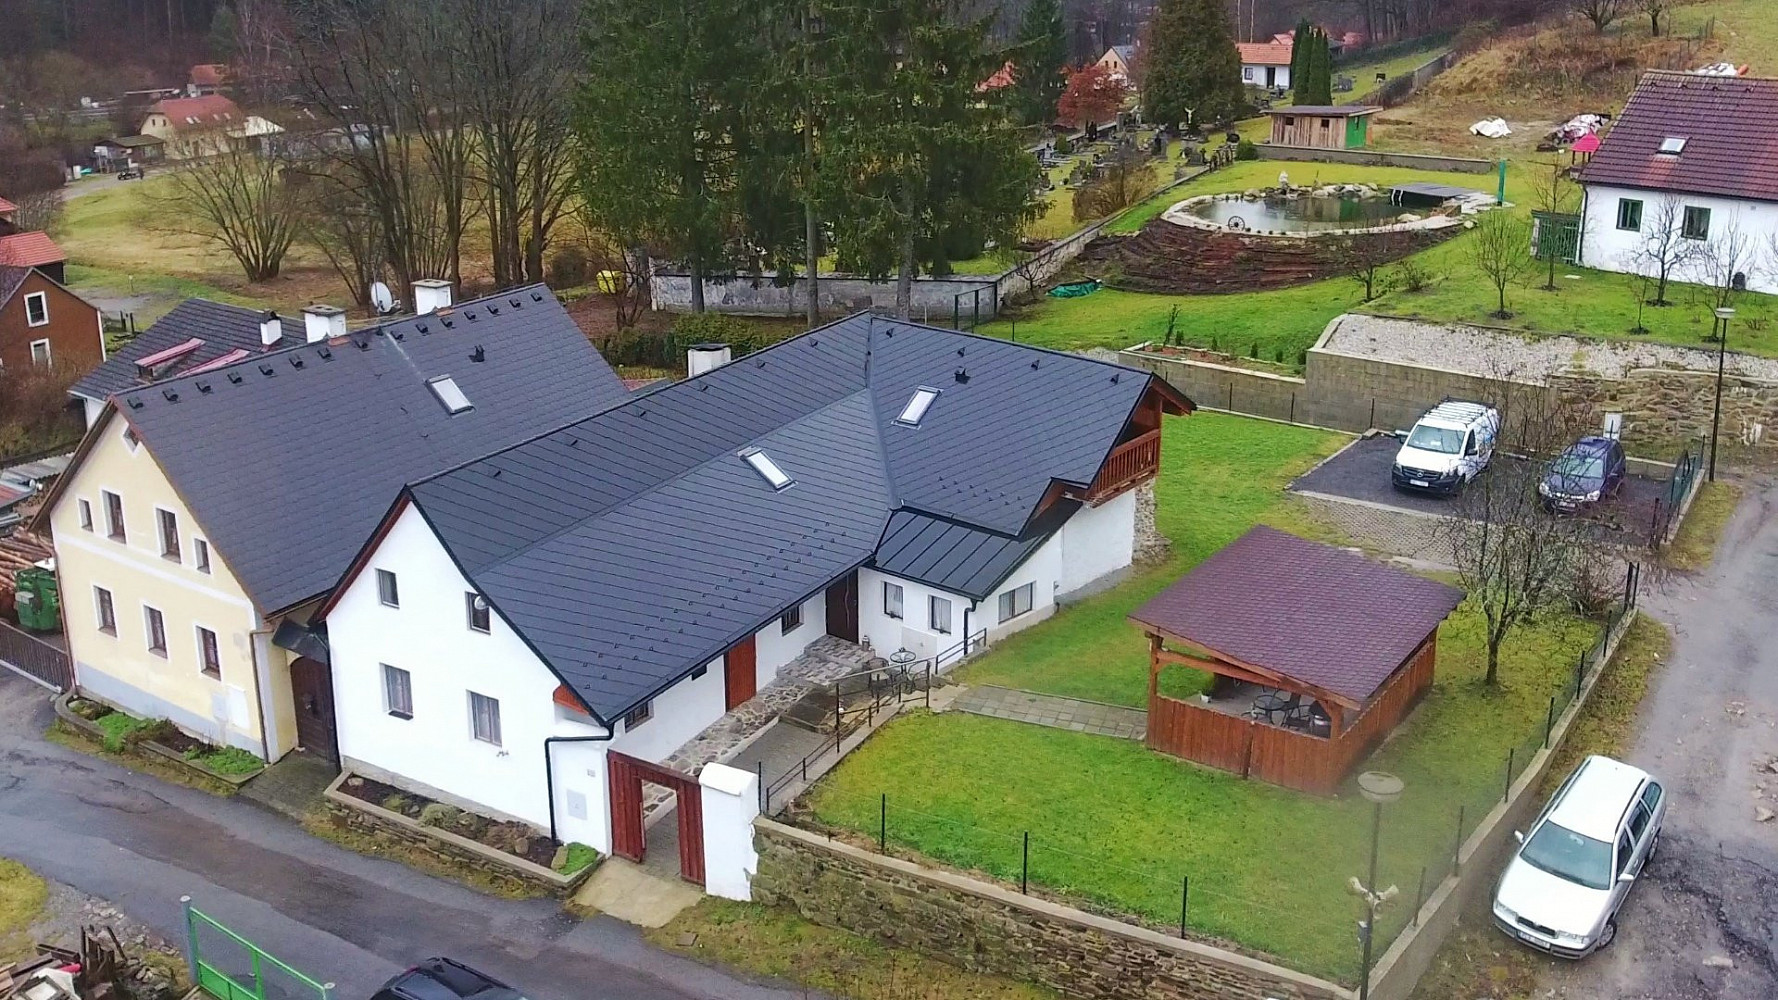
1605,246
913,631
731,803
1097,541
775,647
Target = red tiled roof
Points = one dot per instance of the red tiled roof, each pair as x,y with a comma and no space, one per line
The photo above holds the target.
30,250
1324,616
1263,53
208,111
7,206
1730,128
1002,78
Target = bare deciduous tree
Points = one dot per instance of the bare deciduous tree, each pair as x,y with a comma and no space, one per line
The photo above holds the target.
1364,257
240,200
38,211
1553,192
1656,11
347,230
1727,260
1662,248
1600,12
1500,249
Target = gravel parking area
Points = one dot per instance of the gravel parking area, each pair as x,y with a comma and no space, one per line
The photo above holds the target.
1361,473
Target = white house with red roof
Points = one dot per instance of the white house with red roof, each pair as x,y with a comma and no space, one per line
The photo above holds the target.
1265,64
203,126
1695,156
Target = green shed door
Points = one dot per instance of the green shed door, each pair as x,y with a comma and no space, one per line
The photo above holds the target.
1356,131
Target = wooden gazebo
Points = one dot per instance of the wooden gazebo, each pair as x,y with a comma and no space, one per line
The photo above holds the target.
1347,644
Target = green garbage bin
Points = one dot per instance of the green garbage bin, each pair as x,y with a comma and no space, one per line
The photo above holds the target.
38,603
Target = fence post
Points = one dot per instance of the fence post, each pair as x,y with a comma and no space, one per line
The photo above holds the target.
1549,722
1420,896
327,991
1654,524
258,974
870,700
1580,673
1507,792
836,713
1025,866
1457,848
1373,422
1231,405
956,318
975,303
1185,892
883,825
191,940
1293,407
765,794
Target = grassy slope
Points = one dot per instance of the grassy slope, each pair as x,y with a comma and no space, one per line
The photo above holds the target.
1694,548
1219,476
22,895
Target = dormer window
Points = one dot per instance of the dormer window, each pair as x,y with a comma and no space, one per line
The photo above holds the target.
918,404
1673,145
768,470
445,388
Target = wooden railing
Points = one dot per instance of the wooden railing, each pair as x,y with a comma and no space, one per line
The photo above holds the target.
35,658
1128,464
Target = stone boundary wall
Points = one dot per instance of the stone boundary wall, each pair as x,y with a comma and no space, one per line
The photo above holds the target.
1376,158
747,295
984,927
1225,387
1399,970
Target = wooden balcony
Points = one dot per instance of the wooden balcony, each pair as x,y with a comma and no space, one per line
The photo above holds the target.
1130,463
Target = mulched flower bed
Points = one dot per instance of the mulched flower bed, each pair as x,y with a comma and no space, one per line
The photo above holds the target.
516,839
119,731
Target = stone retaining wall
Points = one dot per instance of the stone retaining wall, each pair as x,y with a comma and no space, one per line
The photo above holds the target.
983,927
1377,158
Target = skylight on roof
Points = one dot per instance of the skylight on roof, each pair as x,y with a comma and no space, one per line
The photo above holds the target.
917,406
445,388
768,470
1673,145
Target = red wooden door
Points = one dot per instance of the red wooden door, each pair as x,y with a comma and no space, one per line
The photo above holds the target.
740,670
627,838
842,609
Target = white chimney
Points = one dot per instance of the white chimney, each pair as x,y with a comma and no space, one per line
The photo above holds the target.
271,329
322,322
700,358
431,295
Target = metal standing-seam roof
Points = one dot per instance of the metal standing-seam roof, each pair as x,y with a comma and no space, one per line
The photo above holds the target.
633,546
1321,615
222,328
287,460
1730,130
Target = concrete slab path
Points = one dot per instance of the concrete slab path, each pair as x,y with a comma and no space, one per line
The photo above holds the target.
1055,712
636,895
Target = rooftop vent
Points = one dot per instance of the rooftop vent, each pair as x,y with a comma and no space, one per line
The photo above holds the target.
768,470
431,295
917,406
1673,145
445,388
700,358
962,376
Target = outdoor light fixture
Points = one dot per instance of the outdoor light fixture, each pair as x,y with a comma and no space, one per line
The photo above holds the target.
1379,787
1720,326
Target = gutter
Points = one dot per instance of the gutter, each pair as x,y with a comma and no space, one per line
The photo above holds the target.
549,770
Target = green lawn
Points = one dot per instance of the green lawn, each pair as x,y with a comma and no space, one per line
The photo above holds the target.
22,896
1220,475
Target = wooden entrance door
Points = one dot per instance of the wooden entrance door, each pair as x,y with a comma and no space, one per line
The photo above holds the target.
628,838
311,684
740,673
842,608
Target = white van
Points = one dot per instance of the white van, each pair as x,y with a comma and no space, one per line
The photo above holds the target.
1447,448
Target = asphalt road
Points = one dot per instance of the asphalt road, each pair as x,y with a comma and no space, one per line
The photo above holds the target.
333,914
1709,731
1361,472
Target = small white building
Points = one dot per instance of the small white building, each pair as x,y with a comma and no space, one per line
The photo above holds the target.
611,589
1265,64
1688,169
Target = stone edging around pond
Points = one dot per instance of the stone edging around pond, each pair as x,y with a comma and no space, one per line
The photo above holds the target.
451,846
91,730
1178,213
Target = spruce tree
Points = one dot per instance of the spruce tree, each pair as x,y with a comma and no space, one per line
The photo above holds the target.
1193,72
1298,46
1038,60
1317,84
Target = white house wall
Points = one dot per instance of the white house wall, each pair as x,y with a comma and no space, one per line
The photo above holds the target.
1609,248
774,647
1254,75
1096,542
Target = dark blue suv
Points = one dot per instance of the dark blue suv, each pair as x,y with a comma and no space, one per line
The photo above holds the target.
443,979
1588,471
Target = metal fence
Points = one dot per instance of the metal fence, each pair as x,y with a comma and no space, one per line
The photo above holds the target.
34,658
227,966
1680,484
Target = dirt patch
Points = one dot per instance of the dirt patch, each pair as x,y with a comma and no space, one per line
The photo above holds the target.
515,839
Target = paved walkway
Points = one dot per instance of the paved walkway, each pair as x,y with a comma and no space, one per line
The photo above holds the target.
293,786
1049,710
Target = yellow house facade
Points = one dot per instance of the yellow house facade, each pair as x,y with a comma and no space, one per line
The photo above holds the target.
157,624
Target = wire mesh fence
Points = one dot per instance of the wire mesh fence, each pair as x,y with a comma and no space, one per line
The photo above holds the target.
228,966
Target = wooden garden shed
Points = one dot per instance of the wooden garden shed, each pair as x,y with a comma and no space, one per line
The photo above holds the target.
1328,126
1318,653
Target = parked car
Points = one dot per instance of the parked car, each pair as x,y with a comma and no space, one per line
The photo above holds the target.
1562,889
1586,472
444,979
1447,447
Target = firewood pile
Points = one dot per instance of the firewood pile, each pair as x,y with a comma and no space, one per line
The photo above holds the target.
100,969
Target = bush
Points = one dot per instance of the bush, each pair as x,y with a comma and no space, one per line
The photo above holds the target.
1246,150
439,814
576,856
1412,275
120,729
1062,146
568,268
231,761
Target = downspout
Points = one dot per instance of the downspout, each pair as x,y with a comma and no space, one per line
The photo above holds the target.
549,770
262,680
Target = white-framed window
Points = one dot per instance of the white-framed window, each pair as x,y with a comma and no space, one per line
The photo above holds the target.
1694,226
476,607
938,612
37,309
1247,72
40,353
387,590
892,599
86,513
155,629
104,611
638,715
1016,602
113,516
209,653
484,718
167,523
200,555
131,439
791,620
398,695
1629,214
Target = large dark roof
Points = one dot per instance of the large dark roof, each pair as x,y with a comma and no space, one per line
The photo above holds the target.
635,545
1321,615
1730,128
222,328
959,557
289,459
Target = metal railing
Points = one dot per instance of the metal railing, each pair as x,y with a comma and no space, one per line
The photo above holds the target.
34,658
1679,486
227,966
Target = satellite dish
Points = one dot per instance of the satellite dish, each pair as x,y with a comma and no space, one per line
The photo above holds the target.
382,299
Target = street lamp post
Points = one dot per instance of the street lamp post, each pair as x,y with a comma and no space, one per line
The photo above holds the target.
1723,315
1379,787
